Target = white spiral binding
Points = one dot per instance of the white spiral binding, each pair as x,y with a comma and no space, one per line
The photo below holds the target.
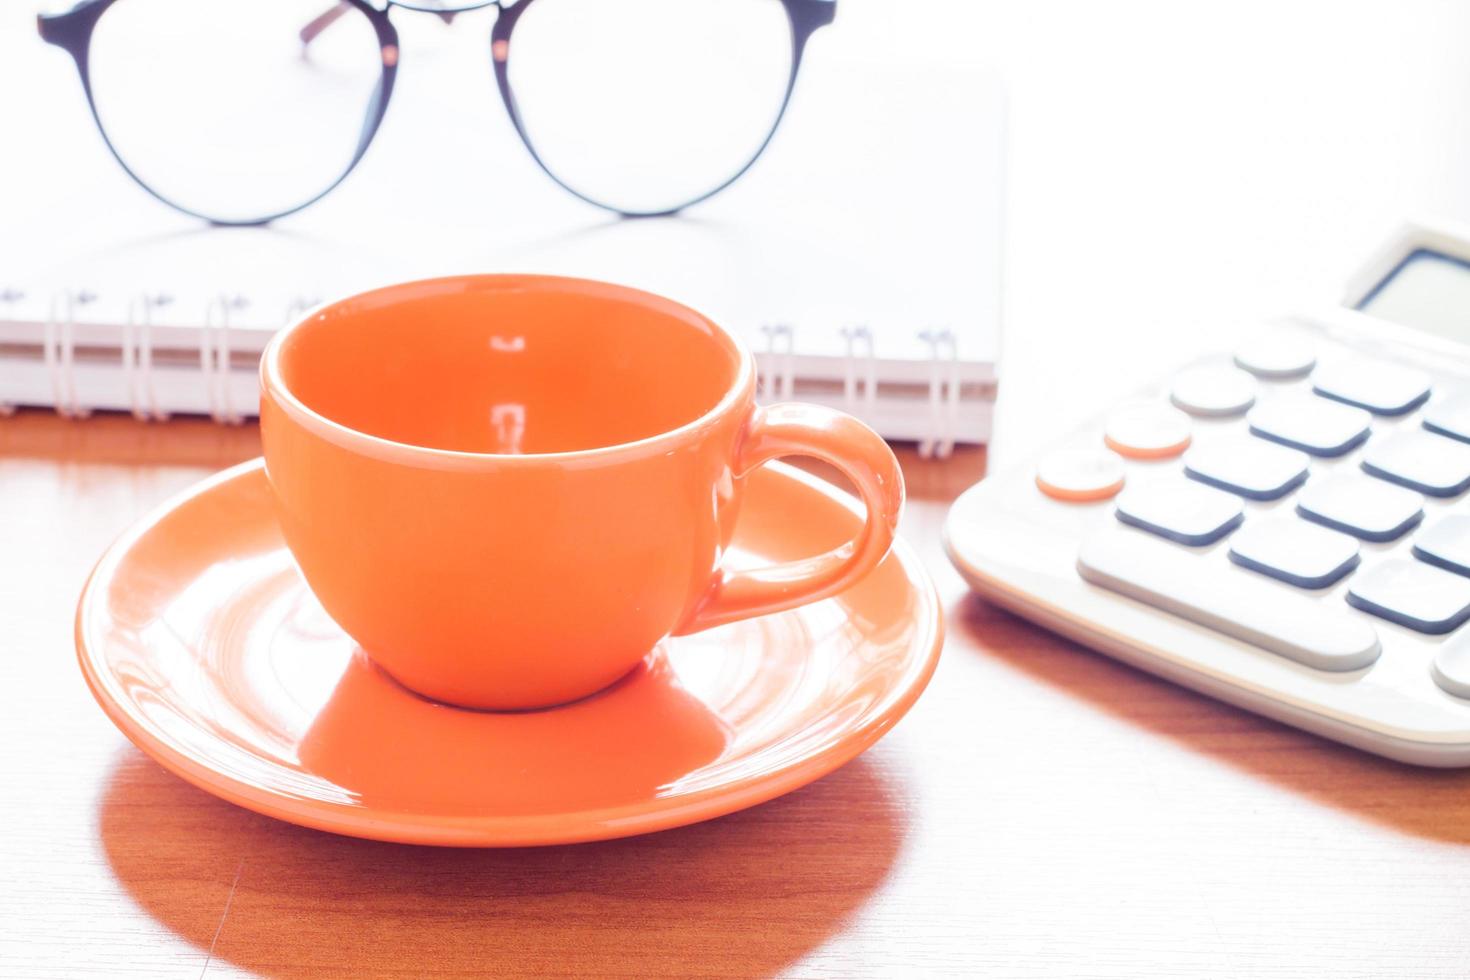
59,349
866,387
779,381
7,297
298,306
137,357
214,358
944,393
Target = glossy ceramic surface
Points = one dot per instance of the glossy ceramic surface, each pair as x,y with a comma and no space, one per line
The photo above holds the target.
449,456
201,641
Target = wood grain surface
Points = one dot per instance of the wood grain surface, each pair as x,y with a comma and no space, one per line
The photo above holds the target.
1043,811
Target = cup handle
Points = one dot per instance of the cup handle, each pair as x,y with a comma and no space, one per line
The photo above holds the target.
792,429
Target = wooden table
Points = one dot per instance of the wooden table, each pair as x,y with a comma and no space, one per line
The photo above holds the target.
1043,811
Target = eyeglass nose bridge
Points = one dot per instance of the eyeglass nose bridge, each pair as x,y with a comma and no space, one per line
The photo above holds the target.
332,14
445,11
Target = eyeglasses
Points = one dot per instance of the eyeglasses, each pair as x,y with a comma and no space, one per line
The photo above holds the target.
242,111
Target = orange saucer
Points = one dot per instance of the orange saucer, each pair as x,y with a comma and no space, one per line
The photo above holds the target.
202,643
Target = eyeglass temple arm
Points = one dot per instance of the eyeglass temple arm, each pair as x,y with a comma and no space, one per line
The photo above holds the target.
322,21
332,14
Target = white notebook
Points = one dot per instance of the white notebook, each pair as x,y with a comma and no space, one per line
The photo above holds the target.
860,257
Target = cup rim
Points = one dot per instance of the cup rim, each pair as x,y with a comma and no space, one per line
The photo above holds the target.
273,382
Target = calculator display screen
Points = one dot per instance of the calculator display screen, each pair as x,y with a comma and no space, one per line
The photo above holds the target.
1428,291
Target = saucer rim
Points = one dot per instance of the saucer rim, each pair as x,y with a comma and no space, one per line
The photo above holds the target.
526,830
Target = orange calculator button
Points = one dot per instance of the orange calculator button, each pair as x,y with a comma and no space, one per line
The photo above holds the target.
1079,476
1147,432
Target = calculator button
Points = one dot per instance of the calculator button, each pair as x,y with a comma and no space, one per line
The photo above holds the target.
1451,667
1080,475
1180,511
1249,609
1362,506
1295,552
1213,391
1446,543
1383,389
1421,461
1313,425
1248,466
1147,431
1450,417
1412,594
1276,357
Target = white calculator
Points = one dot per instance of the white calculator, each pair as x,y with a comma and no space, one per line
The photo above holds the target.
1285,526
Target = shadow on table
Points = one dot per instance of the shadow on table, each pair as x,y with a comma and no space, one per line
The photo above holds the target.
747,894
1430,803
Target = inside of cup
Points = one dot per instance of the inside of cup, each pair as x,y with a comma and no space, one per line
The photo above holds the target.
502,364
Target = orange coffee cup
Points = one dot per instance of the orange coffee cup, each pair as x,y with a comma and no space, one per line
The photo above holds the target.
509,489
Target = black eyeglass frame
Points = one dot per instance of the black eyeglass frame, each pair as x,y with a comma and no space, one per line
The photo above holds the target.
72,31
